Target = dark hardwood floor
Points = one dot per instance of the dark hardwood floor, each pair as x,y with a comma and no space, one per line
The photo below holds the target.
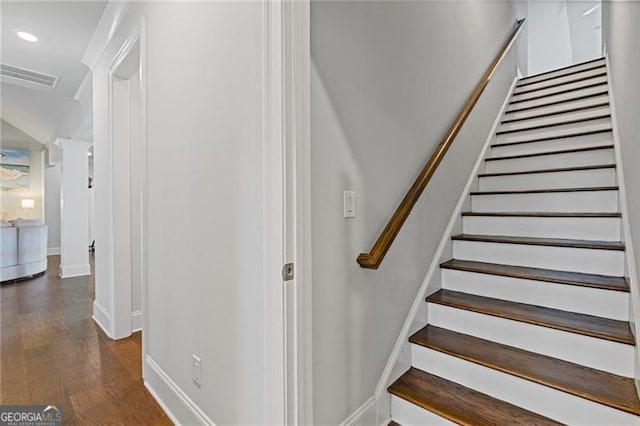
52,352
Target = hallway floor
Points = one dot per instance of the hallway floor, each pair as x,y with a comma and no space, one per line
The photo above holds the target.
52,353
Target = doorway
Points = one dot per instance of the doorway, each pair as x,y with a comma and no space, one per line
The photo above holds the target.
127,172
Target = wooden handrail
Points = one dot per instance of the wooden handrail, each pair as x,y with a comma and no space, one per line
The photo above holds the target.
373,259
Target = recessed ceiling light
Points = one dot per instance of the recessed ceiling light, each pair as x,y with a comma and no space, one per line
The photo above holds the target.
27,36
591,10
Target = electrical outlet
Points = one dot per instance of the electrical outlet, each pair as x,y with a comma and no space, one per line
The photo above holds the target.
196,370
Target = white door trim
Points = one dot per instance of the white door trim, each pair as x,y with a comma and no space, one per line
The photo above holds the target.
121,316
273,214
286,212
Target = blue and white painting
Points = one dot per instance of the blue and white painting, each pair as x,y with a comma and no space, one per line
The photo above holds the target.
14,168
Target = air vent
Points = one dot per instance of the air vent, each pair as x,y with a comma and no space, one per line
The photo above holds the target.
27,78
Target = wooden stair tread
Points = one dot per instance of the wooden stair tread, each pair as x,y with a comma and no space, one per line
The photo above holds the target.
573,134
560,123
392,423
588,325
604,282
551,114
602,73
460,404
536,241
546,190
542,214
567,68
585,382
563,151
559,92
560,101
554,170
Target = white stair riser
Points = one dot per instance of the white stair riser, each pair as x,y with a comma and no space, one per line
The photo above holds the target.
616,358
407,414
560,80
550,161
590,261
554,119
546,401
555,132
558,108
585,228
567,179
569,71
565,202
556,89
572,298
558,98
551,145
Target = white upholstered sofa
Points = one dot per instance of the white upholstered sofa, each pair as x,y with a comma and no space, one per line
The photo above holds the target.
23,249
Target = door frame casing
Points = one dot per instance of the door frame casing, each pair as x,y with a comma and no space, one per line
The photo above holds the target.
286,214
121,315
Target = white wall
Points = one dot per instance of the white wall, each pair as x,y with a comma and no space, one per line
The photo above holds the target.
52,207
13,137
585,30
204,213
621,33
519,12
549,37
388,79
558,33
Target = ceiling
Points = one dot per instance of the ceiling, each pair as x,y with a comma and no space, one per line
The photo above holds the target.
64,29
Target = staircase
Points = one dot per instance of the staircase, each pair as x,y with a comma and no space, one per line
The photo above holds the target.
531,325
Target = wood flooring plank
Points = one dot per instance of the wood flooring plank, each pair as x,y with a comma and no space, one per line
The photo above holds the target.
52,352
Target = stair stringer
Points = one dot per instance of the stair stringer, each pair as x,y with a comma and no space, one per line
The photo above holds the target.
630,266
379,405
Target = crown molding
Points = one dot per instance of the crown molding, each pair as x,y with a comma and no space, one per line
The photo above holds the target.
111,18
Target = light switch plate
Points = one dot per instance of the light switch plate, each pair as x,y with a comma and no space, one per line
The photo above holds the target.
349,204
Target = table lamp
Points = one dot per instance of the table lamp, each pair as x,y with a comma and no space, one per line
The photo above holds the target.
27,204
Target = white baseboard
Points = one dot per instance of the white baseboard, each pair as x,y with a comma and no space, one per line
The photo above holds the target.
174,401
53,251
136,321
69,271
102,318
364,415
